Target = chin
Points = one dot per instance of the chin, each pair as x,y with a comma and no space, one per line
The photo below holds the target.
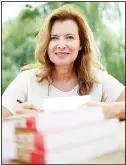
62,63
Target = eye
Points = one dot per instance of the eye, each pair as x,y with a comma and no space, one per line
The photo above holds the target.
70,37
54,38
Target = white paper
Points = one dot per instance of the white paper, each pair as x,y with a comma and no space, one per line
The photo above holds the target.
63,103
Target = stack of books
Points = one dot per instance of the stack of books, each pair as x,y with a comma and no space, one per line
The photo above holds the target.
59,137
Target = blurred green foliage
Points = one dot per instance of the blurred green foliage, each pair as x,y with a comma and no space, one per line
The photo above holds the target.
18,37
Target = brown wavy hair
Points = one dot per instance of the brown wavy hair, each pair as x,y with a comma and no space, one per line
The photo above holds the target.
87,58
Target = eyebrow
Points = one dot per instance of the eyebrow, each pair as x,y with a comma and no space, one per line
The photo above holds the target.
65,34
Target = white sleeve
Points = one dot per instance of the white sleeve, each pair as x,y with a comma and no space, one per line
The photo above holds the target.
16,90
111,88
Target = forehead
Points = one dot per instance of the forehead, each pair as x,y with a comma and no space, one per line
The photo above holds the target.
65,26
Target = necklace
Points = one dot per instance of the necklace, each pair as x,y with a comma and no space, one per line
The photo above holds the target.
48,92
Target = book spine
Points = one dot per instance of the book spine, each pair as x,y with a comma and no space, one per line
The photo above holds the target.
28,123
29,156
34,140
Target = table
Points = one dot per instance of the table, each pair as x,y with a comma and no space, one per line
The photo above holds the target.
115,157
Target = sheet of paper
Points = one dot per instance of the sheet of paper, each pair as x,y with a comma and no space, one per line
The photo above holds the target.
63,103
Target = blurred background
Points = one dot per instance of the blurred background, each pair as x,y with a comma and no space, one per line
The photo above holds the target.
21,22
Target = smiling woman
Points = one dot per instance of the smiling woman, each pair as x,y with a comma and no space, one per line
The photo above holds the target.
65,43
66,65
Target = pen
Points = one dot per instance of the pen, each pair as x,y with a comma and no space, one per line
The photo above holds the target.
19,101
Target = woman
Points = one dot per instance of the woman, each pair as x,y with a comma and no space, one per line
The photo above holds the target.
66,66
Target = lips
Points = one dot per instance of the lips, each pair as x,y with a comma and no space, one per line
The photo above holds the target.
61,53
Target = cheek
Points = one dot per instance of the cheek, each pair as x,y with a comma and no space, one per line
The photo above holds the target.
74,52
51,47
74,49
74,46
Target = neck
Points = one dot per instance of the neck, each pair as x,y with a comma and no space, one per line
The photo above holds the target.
64,73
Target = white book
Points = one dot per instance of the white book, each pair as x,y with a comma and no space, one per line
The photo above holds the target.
83,133
55,120
8,149
78,153
83,152
78,148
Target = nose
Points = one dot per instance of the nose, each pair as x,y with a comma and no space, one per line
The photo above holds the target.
61,45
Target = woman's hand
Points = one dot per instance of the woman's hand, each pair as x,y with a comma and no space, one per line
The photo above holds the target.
114,110
111,110
106,108
26,108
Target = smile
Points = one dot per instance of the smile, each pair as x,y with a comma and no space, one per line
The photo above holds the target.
61,53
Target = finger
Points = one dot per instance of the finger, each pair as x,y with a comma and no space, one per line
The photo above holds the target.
22,111
88,104
92,103
28,106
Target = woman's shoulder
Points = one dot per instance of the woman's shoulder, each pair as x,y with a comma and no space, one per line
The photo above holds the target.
31,76
27,76
30,73
99,75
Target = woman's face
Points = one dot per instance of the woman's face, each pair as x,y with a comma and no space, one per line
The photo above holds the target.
65,42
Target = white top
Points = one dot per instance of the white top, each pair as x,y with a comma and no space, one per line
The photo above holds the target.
26,88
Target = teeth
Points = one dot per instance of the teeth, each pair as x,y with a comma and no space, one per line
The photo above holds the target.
61,53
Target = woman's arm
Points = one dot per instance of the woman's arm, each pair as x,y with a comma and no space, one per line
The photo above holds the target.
5,113
112,110
115,109
22,109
